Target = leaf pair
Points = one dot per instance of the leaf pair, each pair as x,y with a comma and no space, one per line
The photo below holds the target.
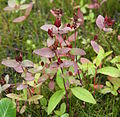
79,92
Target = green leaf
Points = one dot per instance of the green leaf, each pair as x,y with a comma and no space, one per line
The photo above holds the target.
118,66
7,108
115,81
83,94
54,100
100,56
115,60
63,108
107,53
58,113
65,115
105,90
59,80
43,102
109,84
110,71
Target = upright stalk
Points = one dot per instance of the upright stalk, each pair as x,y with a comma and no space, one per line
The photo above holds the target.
66,92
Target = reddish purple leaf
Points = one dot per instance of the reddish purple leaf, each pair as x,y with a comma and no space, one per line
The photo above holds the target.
43,78
54,65
59,38
107,29
50,42
8,8
77,51
84,60
63,50
100,21
29,77
80,16
51,85
49,26
95,46
75,67
66,63
18,69
64,30
28,10
45,52
19,19
27,63
94,6
72,37
21,87
10,63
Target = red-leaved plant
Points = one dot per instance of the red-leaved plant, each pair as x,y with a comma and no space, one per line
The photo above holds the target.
63,66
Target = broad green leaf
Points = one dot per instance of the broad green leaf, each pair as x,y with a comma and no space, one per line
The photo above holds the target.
63,108
35,98
54,100
7,108
110,71
59,80
83,94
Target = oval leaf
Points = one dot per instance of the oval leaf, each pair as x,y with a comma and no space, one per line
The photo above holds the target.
7,108
95,46
19,19
27,63
10,63
110,71
45,52
83,94
100,21
77,51
54,100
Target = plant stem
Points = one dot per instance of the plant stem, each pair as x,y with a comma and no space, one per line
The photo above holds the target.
95,80
67,99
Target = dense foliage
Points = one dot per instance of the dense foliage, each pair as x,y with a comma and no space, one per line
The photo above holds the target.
69,71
